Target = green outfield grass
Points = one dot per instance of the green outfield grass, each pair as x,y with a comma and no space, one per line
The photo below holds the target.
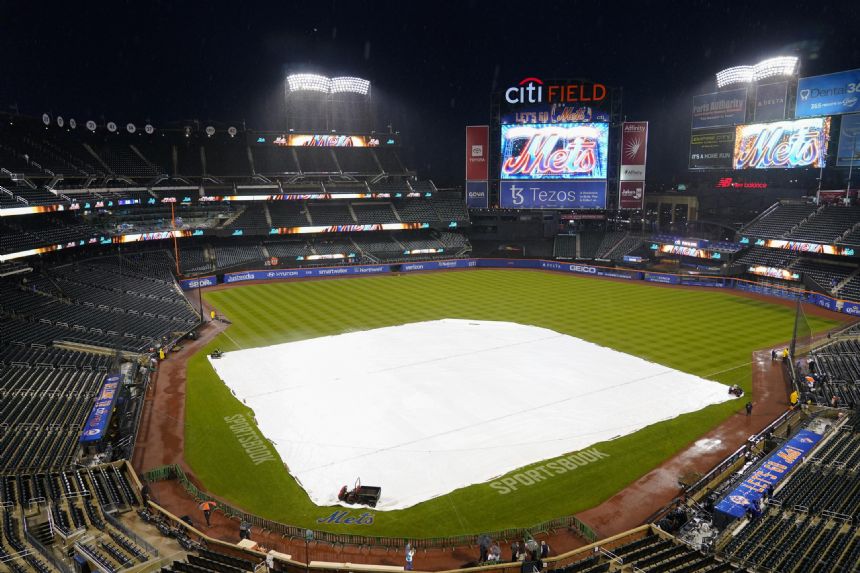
706,333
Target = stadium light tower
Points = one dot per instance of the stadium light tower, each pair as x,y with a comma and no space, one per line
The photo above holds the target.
317,103
780,66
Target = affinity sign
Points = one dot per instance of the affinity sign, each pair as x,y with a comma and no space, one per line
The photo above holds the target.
561,151
782,144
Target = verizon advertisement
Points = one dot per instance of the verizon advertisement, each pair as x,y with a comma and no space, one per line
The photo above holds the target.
631,195
477,152
634,150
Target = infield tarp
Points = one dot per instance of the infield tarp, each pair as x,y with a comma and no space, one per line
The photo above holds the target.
426,408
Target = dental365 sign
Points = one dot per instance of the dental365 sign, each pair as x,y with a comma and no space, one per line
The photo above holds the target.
830,94
552,194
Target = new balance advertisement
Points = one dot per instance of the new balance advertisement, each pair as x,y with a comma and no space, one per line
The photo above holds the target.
552,194
830,94
782,144
477,195
631,195
848,153
477,152
562,151
712,148
770,101
634,150
533,100
720,108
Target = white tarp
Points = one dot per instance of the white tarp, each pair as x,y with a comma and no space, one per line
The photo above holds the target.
423,409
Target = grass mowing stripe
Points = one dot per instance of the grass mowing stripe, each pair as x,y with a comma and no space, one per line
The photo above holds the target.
705,333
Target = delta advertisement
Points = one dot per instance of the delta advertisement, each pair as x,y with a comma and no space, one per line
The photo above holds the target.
770,101
477,195
477,152
712,148
562,151
830,94
634,150
720,109
534,100
782,144
848,152
96,424
750,491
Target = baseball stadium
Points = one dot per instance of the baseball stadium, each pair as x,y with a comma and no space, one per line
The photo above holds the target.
291,347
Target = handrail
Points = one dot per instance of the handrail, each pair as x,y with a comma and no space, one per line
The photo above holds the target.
176,472
140,542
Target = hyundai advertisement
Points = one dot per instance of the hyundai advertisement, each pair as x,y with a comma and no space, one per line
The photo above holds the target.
782,144
560,151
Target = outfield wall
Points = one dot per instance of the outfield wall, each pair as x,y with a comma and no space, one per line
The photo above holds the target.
818,299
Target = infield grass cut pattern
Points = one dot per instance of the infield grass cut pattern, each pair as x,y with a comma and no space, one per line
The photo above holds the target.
703,332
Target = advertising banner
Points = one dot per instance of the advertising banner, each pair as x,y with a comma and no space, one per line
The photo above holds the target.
831,196
662,278
477,152
533,100
770,101
324,140
631,195
436,265
199,282
848,152
96,424
552,194
802,247
720,108
831,94
305,273
563,151
774,272
581,269
782,144
634,150
712,148
477,195
768,474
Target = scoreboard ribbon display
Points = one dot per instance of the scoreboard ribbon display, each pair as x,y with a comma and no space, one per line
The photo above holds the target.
552,194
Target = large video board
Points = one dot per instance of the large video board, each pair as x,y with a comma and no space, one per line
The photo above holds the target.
782,144
561,151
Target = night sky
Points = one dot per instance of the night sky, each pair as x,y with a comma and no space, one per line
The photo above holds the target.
433,65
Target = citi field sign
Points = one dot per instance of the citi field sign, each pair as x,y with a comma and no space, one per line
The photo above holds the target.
534,90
